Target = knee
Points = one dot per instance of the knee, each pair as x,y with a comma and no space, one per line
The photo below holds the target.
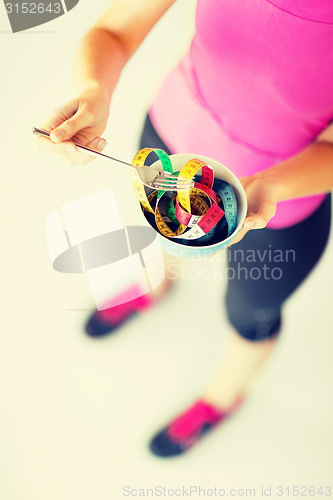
257,324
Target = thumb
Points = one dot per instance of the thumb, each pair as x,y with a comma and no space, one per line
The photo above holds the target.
255,221
249,224
69,128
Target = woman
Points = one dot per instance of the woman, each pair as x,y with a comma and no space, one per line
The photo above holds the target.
254,92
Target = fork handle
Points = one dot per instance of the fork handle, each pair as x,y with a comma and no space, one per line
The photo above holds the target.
92,152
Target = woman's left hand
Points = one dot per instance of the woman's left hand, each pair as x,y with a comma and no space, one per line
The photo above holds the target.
261,199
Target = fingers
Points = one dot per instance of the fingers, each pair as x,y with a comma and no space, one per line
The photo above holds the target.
248,224
98,144
55,120
263,215
80,158
59,115
252,221
71,126
238,238
45,145
68,151
257,220
79,121
68,120
261,198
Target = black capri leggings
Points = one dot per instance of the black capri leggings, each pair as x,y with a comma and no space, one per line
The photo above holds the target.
267,265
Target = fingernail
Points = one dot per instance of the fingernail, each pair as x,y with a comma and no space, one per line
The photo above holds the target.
59,135
249,224
101,144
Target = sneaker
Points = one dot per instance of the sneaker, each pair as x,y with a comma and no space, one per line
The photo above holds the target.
108,320
186,430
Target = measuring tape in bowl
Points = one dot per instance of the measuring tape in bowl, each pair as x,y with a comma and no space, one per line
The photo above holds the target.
199,215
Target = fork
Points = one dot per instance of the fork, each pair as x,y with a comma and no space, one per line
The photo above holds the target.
151,177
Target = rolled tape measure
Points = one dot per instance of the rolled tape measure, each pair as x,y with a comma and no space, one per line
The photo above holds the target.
199,215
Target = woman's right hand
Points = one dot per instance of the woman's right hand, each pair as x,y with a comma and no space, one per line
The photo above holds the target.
81,120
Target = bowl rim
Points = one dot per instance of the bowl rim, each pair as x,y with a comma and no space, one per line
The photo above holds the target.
241,193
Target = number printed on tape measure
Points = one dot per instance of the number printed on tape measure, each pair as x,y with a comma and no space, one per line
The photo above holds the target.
189,214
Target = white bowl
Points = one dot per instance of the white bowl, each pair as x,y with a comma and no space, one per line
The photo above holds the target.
220,172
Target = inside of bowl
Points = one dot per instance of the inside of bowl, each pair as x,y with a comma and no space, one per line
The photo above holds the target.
220,173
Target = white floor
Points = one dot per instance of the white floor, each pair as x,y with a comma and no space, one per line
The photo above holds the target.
76,413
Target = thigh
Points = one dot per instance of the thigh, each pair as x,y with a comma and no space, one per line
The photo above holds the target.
267,266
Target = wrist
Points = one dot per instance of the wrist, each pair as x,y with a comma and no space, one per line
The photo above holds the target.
94,87
272,178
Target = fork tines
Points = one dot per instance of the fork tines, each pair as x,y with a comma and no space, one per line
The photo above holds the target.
170,181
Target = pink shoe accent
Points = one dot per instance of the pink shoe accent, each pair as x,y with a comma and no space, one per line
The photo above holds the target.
189,425
193,420
126,305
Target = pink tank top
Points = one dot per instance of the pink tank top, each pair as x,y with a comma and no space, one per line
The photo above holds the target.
255,88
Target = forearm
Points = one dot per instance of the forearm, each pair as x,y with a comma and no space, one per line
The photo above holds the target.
307,173
99,61
109,44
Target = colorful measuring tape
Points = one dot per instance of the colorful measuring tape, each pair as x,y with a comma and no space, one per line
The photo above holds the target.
197,215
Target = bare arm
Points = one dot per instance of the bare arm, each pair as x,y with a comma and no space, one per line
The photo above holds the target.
309,172
113,39
100,58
